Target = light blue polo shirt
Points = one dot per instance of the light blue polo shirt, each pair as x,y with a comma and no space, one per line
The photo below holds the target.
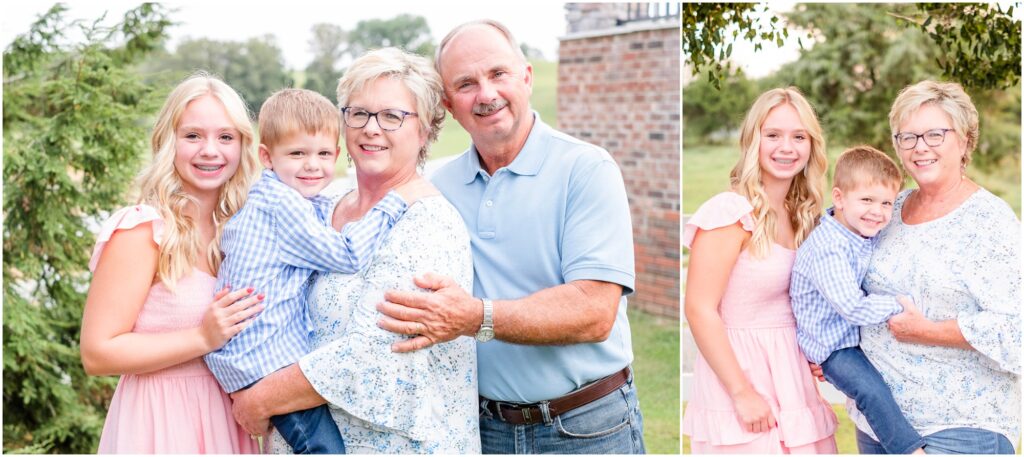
556,214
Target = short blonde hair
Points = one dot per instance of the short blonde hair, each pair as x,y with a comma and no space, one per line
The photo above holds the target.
950,98
291,111
806,193
411,70
161,186
865,165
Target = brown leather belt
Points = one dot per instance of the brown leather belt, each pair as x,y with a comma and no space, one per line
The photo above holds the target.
531,413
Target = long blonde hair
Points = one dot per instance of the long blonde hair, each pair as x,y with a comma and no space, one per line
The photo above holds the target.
161,186
805,196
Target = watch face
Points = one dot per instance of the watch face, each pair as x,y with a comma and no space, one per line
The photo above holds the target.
485,335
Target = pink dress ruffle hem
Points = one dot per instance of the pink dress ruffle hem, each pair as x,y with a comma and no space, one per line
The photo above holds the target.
761,329
176,410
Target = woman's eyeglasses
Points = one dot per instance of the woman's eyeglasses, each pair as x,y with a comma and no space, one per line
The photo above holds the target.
388,119
933,138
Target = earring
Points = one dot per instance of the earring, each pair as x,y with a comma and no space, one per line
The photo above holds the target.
348,158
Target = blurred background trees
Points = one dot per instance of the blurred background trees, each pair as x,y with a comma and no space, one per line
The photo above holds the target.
856,59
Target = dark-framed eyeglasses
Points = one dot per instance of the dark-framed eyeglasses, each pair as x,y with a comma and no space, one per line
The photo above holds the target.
932,138
388,119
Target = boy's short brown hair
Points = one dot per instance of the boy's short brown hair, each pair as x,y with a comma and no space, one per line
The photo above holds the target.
290,111
865,165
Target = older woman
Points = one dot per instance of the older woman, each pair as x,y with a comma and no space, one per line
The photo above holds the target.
954,363
384,402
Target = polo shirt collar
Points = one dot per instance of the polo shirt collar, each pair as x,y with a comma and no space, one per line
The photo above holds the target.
527,162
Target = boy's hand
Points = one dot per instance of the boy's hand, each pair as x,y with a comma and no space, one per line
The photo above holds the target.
416,189
906,302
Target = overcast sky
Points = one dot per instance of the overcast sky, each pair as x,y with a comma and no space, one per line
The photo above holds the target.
536,23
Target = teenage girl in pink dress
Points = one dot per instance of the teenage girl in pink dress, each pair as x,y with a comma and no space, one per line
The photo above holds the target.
752,389
151,312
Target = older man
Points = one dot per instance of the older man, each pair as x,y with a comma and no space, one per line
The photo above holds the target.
553,257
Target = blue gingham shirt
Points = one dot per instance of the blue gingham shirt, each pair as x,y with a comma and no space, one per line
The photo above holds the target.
828,302
274,244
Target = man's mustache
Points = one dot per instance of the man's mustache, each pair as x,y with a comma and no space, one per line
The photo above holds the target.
489,108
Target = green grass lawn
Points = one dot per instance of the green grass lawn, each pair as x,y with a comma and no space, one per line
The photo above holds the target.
706,173
846,437
656,365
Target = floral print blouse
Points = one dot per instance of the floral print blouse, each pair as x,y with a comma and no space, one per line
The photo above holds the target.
964,266
385,402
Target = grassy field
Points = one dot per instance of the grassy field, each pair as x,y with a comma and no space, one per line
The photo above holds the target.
656,351
706,173
454,139
846,437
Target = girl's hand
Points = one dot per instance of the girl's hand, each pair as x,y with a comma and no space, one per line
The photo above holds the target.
816,371
753,411
227,315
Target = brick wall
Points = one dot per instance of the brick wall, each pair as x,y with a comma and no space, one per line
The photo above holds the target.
620,90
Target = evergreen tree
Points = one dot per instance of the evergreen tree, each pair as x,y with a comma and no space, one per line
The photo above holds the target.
73,140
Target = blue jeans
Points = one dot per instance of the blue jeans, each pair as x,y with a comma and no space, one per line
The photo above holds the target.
609,425
853,374
961,440
310,431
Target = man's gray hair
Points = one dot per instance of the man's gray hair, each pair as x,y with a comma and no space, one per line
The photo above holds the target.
484,22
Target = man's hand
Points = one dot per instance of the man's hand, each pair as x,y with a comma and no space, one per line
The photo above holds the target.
909,324
433,317
247,411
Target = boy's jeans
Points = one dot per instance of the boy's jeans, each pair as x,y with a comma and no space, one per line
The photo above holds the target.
850,371
310,431
961,440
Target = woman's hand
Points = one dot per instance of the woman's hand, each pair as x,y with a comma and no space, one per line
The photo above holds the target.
248,412
228,315
907,325
753,411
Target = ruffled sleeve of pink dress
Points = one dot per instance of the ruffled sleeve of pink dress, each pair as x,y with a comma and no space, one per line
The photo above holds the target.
761,330
179,409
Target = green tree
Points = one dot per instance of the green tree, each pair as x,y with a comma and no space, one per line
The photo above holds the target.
531,53
73,139
328,46
709,114
406,31
709,29
864,54
255,67
980,42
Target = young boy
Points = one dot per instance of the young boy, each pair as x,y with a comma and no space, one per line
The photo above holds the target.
279,238
829,303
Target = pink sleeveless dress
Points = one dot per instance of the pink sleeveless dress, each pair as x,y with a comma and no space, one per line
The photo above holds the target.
761,329
179,409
